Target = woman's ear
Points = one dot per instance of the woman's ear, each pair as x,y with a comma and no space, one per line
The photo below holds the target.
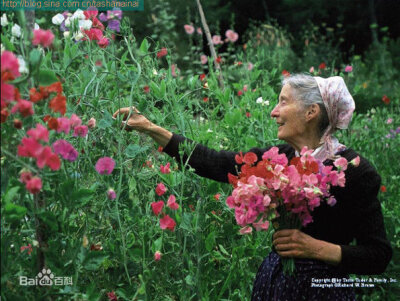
312,112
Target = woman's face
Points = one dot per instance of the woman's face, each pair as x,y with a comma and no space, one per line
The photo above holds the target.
290,116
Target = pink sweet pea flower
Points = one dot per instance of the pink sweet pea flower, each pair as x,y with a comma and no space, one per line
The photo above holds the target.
47,157
157,256
29,147
81,131
250,66
75,120
91,12
389,121
231,35
160,189
94,34
199,30
28,247
348,69
34,185
64,125
112,296
167,223
312,69
174,68
39,133
356,161
42,37
165,169
105,165
172,202
65,150
25,176
189,29
216,39
9,62
157,207
103,42
24,107
203,59
341,163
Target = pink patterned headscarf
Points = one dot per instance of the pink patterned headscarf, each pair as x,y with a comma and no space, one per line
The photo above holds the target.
339,105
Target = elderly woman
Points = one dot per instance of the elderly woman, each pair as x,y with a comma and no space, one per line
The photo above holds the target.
309,110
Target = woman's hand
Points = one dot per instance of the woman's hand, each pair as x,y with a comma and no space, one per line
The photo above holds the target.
294,243
136,121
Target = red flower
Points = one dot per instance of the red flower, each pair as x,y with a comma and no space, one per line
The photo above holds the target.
285,73
162,52
250,158
167,223
103,42
248,115
52,124
240,93
385,99
202,77
217,196
34,185
111,296
58,104
322,66
160,149
160,189
24,107
4,115
28,247
146,89
157,207
383,188
205,99
218,60
96,247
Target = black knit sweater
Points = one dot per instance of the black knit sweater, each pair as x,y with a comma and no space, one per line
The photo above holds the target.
356,215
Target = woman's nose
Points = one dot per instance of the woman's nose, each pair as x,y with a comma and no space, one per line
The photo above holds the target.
275,112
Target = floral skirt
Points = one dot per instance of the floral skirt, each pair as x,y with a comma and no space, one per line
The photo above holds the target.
271,284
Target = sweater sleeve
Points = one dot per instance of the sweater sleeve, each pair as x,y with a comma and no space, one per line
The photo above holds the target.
372,251
207,162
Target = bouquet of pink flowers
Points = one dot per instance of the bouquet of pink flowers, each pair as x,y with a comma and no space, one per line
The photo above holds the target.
273,190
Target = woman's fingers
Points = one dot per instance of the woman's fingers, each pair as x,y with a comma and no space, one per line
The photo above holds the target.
125,112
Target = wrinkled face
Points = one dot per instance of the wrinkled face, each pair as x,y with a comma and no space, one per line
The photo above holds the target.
289,115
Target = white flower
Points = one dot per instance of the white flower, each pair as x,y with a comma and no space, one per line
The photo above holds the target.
259,100
37,26
209,131
4,21
78,36
78,15
67,22
66,34
22,65
85,24
2,48
266,103
57,19
155,72
16,30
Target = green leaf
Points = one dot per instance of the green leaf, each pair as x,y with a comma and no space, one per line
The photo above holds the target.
223,250
210,241
82,195
133,150
233,118
144,47
14,212
157,244
35,56
6,42
163,89
47,77
10,194
104,123
94,260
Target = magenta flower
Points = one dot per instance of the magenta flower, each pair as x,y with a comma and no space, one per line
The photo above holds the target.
167,223
34,185
39,133
157,256
65,150
9,62
203,59
157,207
75,120
64,125
105,165
81,131
172,202
165,169
348,69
